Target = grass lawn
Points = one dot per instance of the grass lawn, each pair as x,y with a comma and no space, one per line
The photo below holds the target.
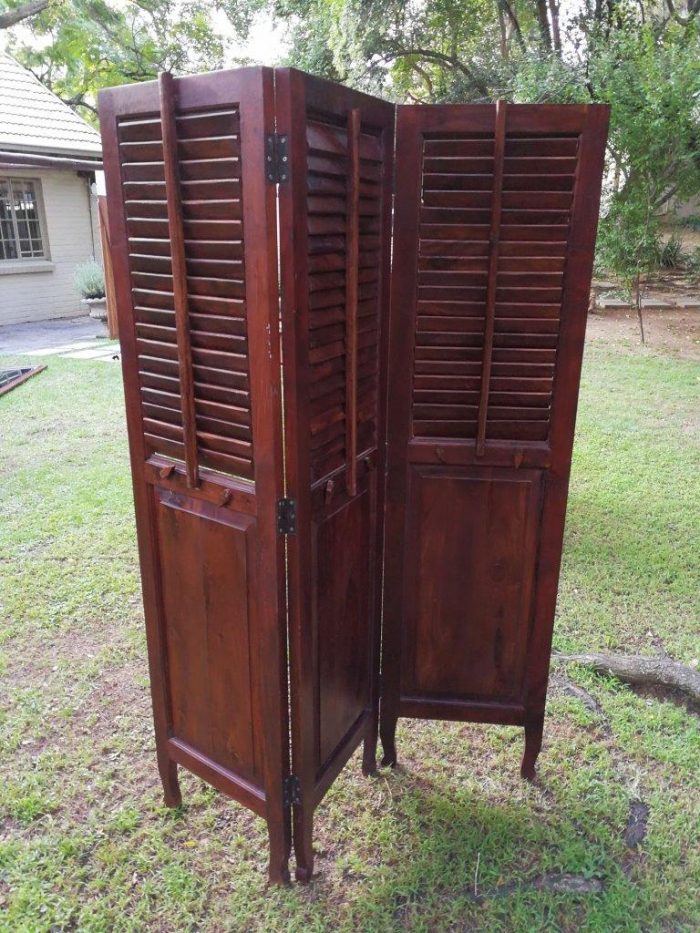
453,840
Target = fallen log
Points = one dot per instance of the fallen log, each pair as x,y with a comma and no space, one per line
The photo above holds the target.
635,669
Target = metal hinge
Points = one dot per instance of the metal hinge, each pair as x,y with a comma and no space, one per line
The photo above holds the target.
287,516
291,790
276,159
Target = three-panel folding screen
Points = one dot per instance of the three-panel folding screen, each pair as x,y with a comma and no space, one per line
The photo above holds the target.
352,337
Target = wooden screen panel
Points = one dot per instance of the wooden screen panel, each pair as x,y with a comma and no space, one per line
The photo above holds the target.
193,231
329,204
482,525
335,214
493,251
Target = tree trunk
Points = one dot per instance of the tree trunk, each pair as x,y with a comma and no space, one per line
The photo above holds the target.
556,31
638,306
543,21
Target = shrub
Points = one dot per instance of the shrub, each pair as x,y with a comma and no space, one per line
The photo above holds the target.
672,255
692,265
89,280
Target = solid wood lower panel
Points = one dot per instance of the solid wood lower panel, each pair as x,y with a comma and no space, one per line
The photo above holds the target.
222,779
342,548
469,558
206,573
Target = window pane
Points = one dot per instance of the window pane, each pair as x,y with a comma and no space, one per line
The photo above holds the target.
20,227
8,247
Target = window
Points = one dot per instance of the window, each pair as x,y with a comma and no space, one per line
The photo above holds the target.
21,233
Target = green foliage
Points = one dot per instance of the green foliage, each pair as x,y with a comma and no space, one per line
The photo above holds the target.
89,280
692,265
654,86
672,255
629,241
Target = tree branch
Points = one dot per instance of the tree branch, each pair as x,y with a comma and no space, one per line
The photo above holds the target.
22,12
443,59
556,31
693,10
515,23
543,21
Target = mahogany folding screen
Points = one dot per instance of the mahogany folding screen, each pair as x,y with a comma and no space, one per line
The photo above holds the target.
250,218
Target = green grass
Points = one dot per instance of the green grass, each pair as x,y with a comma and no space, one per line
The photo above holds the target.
454,840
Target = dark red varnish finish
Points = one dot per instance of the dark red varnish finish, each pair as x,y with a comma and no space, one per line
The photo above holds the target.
264,641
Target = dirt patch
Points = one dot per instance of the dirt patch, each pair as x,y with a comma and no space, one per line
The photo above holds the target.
636,829
675,331
559,882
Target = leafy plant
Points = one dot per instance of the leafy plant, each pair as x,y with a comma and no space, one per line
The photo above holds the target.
89,280
692,265
672,255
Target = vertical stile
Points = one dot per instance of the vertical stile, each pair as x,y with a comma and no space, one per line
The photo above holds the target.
496,200
351,294
179,269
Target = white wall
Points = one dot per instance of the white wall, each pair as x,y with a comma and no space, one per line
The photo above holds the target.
48,290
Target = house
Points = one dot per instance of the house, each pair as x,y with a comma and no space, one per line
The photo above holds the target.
48,216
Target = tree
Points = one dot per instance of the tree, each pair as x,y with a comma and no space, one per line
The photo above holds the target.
653,83
76,47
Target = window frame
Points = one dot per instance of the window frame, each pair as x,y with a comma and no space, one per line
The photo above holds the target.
45,256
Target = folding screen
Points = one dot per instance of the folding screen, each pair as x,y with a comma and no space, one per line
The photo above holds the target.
256,377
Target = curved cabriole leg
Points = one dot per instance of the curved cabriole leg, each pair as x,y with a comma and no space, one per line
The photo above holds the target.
388,736
303,841
280,847
533,744
171,785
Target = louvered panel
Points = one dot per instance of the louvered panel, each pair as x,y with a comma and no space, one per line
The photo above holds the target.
208,154
327,211
145,207
452,279
202,381
451,282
